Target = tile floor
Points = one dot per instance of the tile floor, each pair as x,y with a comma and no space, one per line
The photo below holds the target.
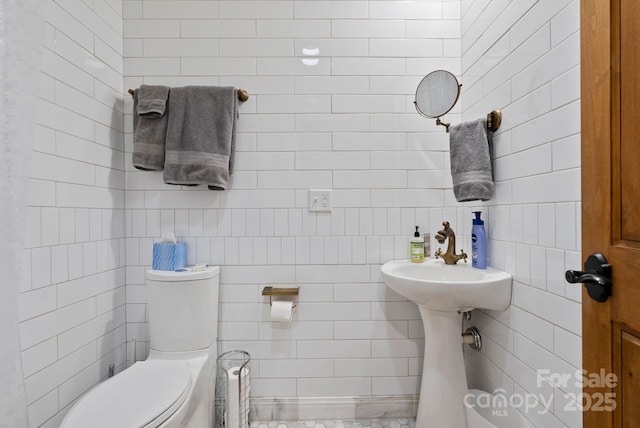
376,423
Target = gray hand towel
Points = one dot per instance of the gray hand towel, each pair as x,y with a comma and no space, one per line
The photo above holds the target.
150,120
200,141
471,171
152,101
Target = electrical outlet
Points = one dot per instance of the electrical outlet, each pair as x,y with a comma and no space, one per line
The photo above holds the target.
320,200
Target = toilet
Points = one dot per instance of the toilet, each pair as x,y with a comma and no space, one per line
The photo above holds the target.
174,386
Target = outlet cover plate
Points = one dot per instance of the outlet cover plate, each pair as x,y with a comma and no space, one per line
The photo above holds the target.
320,200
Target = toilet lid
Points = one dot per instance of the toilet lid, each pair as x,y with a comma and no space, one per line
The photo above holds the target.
144,395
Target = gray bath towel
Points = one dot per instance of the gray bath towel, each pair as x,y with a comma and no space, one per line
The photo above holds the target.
200,141
150,121
471,171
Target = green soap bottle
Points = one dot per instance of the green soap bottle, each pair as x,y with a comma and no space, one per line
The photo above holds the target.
416,248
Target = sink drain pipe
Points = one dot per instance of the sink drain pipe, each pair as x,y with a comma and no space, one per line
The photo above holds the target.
472,337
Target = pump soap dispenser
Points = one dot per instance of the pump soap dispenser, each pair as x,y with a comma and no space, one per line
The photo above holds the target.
416,248
478,243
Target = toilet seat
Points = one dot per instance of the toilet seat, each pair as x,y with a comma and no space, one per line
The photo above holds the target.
143,396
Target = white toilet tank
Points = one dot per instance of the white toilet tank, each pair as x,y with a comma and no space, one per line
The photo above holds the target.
182,309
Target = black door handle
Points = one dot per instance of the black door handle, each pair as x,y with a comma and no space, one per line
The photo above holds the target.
596,277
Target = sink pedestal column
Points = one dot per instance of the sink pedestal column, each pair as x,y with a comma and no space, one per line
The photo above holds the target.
444,381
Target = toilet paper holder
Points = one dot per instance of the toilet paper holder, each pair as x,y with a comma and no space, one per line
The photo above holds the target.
280,291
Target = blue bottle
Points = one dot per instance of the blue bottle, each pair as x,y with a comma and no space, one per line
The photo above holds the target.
478,243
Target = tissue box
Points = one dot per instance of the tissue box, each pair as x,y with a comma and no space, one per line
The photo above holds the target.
169,256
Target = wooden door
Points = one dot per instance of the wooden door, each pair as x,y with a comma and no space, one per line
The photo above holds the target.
610,79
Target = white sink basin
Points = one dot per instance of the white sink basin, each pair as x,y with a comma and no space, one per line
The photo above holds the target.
460,287
441,291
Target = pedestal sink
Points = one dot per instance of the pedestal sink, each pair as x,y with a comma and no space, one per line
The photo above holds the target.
442,292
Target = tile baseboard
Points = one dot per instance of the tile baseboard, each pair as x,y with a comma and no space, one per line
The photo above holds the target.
326,408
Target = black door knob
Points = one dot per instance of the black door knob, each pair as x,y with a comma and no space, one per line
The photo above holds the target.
596,277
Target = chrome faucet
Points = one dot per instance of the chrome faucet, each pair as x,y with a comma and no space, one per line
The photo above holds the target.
450,257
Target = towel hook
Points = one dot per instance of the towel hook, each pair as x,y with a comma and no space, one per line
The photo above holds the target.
243,95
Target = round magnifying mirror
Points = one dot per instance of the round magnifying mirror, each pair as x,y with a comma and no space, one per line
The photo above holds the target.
437,93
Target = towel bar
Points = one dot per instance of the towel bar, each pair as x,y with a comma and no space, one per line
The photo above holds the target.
494,119
243,95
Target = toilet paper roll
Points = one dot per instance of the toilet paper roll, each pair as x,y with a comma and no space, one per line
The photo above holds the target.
237,391
281,311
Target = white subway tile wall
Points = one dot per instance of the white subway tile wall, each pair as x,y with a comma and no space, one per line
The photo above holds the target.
331,86
72,306
523,57
331,106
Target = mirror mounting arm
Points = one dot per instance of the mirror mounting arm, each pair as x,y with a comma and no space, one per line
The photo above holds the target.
446,125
